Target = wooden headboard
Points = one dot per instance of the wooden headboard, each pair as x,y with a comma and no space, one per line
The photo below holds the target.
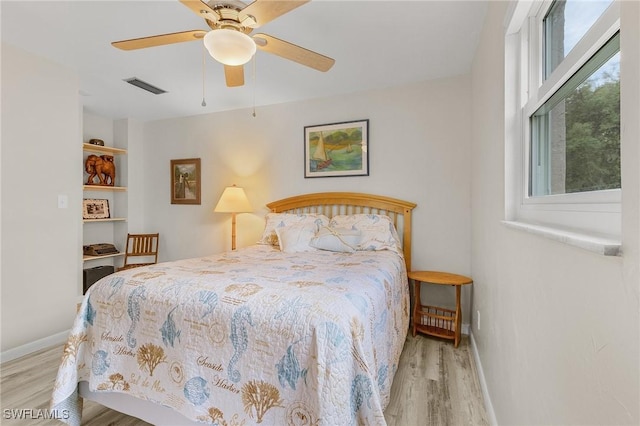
344,203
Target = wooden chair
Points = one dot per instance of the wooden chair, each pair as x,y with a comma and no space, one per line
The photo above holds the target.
139,246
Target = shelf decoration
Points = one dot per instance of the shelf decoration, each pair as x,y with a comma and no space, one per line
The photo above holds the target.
95,209
101,167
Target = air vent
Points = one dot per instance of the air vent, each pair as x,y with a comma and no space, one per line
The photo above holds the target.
144,85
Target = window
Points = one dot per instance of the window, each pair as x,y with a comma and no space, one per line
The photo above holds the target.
575,134
563,74
564,25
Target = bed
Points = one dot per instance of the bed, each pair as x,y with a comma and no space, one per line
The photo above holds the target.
305,328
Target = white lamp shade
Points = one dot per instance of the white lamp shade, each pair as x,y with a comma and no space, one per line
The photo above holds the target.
230,47
233,200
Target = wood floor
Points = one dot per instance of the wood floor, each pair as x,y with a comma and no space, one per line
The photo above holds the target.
436,384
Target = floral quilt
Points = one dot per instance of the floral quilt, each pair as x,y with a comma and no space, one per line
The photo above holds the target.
245,337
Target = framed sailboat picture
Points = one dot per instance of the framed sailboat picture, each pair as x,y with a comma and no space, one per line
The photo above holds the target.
337,149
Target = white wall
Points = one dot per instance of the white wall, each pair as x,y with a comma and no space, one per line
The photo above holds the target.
129,135
41,158
419,151
559,331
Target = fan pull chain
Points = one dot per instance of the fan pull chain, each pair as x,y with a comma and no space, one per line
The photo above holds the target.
204,103
254,85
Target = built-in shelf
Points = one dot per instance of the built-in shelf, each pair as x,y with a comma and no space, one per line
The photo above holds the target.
103,149
112,229
89,258
103,188
111,219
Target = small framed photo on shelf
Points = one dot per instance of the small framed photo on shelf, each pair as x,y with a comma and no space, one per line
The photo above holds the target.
337,149
95,209
185,181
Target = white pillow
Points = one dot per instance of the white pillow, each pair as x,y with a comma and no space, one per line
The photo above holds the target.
295,238
378,231
336,239
280,220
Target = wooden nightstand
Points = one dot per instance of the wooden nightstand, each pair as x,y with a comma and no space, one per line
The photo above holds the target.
433,320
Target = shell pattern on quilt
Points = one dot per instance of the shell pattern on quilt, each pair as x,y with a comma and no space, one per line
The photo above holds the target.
253,336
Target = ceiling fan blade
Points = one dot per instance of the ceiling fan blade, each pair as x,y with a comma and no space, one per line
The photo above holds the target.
234,75
267,10
293,52
159,40
201,9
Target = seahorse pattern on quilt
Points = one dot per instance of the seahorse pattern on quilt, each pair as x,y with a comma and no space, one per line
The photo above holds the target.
253,336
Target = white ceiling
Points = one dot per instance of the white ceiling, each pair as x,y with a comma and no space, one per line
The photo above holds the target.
375,44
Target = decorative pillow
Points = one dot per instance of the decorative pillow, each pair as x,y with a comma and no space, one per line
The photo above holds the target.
280,220
295,238
336,239
378,231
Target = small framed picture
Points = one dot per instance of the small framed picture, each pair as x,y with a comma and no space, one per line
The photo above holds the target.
185,181
95,209
337,149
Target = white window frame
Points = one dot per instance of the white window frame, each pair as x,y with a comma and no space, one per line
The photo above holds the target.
595,212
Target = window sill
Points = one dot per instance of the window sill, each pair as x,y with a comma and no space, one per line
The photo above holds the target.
600,245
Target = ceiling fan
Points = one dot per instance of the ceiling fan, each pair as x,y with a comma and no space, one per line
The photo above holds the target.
228,41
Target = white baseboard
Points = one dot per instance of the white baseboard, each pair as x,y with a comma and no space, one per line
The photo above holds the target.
491,415
56,339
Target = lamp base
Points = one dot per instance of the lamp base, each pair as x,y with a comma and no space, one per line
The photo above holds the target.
233,231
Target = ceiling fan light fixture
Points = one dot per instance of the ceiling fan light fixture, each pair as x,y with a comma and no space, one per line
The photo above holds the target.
230,47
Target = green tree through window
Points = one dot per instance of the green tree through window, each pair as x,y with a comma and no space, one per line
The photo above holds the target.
593,136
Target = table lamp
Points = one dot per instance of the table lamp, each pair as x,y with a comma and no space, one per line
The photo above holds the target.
233,200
